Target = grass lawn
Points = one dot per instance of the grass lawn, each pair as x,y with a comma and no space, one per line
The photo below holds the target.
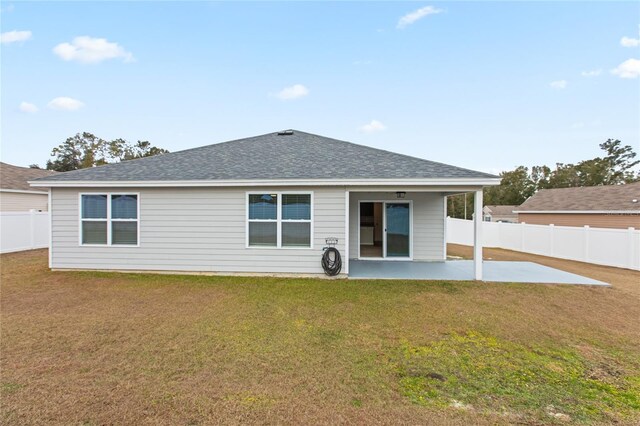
97,348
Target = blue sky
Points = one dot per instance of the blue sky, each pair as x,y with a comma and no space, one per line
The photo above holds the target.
487,86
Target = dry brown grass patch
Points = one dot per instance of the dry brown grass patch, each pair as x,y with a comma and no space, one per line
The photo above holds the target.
96,348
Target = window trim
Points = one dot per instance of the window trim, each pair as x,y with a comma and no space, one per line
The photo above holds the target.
279,221
108,219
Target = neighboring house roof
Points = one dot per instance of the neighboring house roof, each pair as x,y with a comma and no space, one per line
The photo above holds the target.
273,156
17,178
609,198
500,210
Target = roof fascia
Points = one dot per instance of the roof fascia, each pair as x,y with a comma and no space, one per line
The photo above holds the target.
269,182
23,191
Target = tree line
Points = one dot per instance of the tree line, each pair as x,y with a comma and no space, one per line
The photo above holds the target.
616,166
87,150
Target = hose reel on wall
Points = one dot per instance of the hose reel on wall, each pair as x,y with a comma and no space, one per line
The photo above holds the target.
331,259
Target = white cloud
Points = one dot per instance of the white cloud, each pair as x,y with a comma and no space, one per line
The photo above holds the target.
628,69
89,50
293,92
592,73
14,36
28,107
630,42
560,84
373,127
65,104
416,15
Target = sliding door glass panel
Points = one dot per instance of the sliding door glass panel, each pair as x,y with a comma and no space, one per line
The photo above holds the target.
398,228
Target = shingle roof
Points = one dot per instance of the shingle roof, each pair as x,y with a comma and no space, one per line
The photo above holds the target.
16,178
298,155
597,198
502,210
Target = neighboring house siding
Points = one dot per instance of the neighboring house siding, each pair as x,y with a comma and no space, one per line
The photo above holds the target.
21,202
621,221
428,222
194,229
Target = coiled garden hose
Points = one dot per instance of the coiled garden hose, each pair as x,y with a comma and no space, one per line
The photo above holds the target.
331,261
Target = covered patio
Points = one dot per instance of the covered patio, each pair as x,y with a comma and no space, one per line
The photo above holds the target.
400,232
464,270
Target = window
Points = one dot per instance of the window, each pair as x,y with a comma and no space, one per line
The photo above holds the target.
279,220
94,219
109,219
296,220
263,220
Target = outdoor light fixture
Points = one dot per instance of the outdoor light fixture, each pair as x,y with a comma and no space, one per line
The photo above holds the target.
400,194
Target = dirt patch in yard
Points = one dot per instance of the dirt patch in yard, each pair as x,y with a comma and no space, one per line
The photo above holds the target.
96,348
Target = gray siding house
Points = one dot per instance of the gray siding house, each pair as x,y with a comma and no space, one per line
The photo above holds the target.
260,205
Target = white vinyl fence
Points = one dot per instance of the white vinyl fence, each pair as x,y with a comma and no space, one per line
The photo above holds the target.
601,246
23,231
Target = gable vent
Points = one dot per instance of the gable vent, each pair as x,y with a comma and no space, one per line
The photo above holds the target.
285,133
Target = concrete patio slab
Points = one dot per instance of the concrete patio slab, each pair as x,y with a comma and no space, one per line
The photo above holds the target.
462,270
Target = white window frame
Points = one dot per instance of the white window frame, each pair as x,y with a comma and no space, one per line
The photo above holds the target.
279,221
108,219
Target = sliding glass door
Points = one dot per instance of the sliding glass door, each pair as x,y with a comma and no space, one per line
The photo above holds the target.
398,229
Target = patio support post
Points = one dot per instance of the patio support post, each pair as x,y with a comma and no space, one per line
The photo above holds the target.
477,235
345,260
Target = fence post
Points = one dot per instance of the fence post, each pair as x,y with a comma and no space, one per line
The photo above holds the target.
631,245
32,228
552,237
586,243
477,235
522,235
